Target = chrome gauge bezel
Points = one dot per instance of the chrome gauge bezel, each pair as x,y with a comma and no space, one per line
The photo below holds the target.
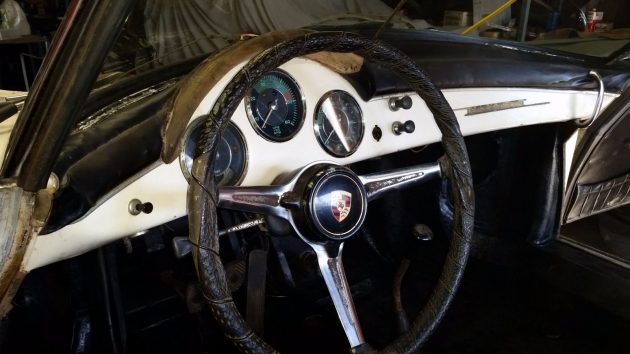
316,125
252,119
184,157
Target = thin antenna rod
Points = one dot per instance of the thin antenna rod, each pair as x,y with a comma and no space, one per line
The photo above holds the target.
401,3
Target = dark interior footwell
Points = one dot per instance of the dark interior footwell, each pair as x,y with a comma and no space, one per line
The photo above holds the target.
516,308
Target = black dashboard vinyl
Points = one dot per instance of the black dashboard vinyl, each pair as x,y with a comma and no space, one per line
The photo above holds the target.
456,61
96,160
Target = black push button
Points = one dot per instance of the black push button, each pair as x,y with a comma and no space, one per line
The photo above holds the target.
396,103
406,127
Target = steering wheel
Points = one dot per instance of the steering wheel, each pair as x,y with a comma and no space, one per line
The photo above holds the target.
325,203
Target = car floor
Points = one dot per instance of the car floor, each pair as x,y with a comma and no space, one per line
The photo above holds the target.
500,308
509,305
513,310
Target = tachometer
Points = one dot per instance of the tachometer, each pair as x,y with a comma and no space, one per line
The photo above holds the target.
339,123
231,154
275,106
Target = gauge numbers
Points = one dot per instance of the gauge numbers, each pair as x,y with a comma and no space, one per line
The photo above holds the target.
230,162
338,123
275,106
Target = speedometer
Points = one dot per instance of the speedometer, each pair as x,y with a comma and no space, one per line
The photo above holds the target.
275,106
339,123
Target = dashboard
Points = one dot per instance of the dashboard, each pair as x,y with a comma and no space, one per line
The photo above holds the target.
277,112
289,120
298,114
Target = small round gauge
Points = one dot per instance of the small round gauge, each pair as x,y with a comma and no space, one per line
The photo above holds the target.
339,123
275,106
231,155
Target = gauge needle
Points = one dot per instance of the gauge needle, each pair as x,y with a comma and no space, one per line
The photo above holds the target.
272,107
330,112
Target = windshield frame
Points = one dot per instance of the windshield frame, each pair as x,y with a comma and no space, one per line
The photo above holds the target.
78,50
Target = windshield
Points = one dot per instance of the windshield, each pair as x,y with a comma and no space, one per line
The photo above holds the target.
162,32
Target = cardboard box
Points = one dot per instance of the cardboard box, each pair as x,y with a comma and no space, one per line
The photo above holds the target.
457,18
604,26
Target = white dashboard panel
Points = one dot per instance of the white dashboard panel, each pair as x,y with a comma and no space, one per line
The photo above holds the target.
165,185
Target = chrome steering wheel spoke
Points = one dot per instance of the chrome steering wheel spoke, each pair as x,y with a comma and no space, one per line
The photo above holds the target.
331,267
326,204
377,184
267,200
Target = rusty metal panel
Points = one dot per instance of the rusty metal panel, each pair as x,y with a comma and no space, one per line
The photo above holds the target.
16,231
9,213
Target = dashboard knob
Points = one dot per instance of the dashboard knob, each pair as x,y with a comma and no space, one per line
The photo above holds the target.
396,103
136,207
406,127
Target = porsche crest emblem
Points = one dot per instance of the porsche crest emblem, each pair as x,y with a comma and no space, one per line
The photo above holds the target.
340,203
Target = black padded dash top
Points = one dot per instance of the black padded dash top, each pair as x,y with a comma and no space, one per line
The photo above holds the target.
456,61
118,136
97,159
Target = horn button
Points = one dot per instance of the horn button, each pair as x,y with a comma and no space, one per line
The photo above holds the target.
334,202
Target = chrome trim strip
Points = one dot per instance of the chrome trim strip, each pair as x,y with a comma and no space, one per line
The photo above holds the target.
377,184
593,251
583,123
